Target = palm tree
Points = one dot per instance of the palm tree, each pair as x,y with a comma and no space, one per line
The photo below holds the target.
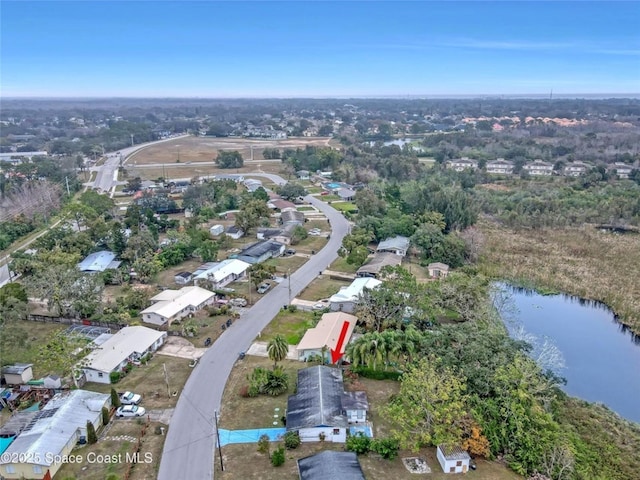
277,349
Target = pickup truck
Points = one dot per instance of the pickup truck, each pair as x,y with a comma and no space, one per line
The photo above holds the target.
263,287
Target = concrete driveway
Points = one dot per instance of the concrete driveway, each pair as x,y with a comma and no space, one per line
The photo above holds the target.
181,348
259,349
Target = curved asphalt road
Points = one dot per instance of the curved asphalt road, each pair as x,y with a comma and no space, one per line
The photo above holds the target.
189,447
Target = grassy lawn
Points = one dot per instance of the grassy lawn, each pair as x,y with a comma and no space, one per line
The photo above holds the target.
581,261
151,449
413,266
341,265
312,190
39,335
344,206
310,243
149,381
292,325
243,461
329,198
241,413
306,209
322,287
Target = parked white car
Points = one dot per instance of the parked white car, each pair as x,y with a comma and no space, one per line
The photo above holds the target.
130,398
130,411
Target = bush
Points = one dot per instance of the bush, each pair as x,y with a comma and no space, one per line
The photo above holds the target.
359,444
263,444
387,448
277,457
105,416
292,308
115,377
91,433
376,374
291,440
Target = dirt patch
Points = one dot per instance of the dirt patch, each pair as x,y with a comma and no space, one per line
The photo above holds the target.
181,348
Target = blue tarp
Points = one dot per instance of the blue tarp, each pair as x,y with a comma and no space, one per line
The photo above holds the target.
249,436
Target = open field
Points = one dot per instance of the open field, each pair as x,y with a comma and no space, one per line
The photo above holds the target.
582,261
204,149
340,265
150,451
243,461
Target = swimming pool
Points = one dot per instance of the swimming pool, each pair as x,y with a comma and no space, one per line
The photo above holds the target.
333,185
364,429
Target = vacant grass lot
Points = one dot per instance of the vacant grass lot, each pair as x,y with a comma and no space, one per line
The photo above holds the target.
582,261
292,325
39,335
151,449
344,206
322,287
341,265
149,381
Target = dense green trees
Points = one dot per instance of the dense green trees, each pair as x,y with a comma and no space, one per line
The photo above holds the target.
229,159
291,191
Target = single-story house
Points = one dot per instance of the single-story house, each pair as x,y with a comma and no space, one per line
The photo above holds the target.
398,245
252,184
234,232
315,411
380,260
303,174
355,406
260,251
575,169
231,176
280,204
127,345
38,451
453,459
281,235
622,170
222,274
325,335
329,465
183,278
347,298
438,270
346,194
216,230
172,305
291,216
17,374
99,262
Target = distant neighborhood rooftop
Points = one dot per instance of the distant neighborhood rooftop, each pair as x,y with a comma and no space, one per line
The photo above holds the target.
99,262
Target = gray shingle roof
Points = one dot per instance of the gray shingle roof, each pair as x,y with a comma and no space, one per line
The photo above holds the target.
355,401
98,262
318,401
330,465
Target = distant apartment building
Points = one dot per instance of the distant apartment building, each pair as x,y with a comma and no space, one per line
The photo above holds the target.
461,164
500,167
622,170
539,168
575,169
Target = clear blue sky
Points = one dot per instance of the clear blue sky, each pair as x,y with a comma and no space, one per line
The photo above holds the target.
274,49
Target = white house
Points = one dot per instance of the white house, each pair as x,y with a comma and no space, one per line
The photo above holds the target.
325,336
315,411
398,245
453,459
347,298
234,232
500,166
38,451
575,169
17,374
438,270
622,170
539,168
303,174
125,346
172,305
216,230
223,273
183,278
461,164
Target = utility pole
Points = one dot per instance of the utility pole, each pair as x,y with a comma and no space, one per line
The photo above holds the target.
215,417
289,277
66,179
132,139
249,273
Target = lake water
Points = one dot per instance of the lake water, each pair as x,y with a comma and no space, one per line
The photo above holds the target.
601,356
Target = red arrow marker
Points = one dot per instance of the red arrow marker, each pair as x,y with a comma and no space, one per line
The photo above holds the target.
336,354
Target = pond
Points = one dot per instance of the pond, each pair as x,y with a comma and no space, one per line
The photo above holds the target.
601,356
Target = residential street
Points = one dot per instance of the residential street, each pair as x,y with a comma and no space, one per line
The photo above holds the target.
189,447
